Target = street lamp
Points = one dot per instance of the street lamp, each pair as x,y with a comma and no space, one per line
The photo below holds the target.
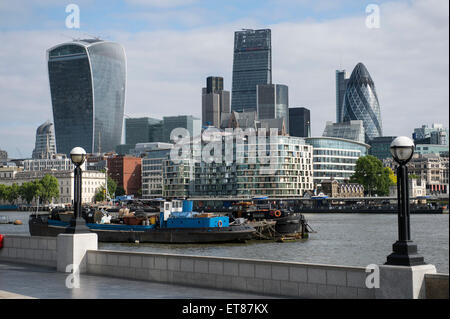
404,250
78,156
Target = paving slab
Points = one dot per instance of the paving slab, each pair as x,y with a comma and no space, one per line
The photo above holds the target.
21,281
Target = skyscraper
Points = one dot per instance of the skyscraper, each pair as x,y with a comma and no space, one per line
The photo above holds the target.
272,102
215,101
299,122
142,130
188,122
45,142
341,87
87,85
353,130
361,102
252,65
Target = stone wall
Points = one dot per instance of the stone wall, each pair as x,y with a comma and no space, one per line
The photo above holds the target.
34,250
436,286
257,276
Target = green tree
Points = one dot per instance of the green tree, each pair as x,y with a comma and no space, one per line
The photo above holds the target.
392,176
48,188
12,193
112,186
370,173
3,192
120,191
100,195
29,190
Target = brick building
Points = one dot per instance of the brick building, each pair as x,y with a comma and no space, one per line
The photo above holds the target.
126,172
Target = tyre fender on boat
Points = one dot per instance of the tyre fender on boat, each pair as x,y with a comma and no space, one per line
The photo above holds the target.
219,223
277,213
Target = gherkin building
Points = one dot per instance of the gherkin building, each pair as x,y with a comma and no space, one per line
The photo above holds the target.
361,102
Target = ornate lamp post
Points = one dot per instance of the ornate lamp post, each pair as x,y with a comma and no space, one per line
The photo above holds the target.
78,156
404,250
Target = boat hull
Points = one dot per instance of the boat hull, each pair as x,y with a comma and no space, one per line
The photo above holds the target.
175,236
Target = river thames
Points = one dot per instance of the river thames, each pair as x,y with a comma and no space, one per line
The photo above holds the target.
340,239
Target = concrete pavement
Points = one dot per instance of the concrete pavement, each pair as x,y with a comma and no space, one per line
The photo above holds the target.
22,281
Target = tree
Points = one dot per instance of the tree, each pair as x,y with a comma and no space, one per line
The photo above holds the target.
12,193
100,195
29,190
120,191
370,173
48,188
3,192
392,176
112,186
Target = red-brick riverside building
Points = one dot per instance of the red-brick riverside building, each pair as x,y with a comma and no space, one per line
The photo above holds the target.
126,172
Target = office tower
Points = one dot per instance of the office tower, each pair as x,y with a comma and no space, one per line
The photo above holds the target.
352,130
335,157
87,85
361,102
45,145
141,130
252,65
299,122
189,122
215,101
380,147
436,134
341,87
273,103
3,156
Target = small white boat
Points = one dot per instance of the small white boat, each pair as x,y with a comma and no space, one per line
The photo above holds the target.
4,220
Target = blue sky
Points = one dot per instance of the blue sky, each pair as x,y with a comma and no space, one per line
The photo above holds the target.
129,16
173,45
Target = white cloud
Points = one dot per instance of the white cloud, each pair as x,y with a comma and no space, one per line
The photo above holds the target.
407,58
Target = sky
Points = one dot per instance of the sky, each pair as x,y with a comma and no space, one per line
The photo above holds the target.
173,45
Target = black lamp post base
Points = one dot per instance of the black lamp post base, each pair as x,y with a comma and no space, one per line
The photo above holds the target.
405,254
79,226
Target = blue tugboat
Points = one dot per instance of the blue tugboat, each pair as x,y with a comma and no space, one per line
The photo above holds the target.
176,223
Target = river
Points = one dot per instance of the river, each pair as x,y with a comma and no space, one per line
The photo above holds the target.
341,239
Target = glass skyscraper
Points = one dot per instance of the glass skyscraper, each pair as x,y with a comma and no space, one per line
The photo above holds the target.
45,145
87,85
252,65
361,102
341,87
299,122
273,102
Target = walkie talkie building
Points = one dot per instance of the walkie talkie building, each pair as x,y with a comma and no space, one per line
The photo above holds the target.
252,65
361,102
87,85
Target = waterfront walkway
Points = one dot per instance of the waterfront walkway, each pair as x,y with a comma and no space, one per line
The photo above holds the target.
21,281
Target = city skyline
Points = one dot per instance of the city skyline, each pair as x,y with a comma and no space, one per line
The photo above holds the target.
410,45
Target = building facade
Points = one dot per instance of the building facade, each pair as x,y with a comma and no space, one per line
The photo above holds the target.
45,146
215,101
252,65
87,86
333,188
341,87
192,124
245,173
126,172
361,102
352,130
335,157
299,122
57,162
153,157
436,134
380,147
272,102
432,168
91,183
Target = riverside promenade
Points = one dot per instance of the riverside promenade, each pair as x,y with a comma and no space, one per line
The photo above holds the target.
38,267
